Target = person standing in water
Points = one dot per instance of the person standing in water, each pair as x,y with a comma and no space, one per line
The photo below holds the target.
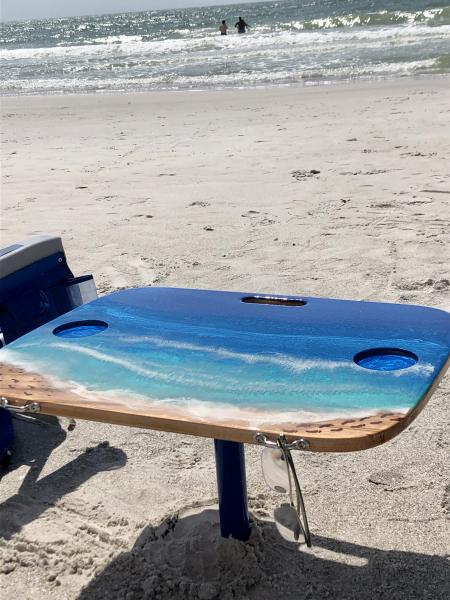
241,25
223,28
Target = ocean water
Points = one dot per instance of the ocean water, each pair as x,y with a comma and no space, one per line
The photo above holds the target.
290,42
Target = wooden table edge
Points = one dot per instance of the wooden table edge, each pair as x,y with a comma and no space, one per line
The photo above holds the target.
336,435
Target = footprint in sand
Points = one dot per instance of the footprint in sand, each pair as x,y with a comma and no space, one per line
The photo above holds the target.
371,172
391,480
301,174
107,198
436,191
382,205
418,154
201,203
438,285
420,202
445,505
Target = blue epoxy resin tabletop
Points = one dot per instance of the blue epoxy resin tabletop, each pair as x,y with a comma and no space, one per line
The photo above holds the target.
344,375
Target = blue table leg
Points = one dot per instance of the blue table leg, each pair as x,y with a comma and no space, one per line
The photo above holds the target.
231,483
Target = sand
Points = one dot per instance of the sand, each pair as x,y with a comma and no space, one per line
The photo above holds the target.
339,191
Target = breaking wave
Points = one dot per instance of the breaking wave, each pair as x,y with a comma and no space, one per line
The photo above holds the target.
290,42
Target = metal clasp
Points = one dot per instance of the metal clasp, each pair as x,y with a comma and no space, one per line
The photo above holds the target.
31,407
263,440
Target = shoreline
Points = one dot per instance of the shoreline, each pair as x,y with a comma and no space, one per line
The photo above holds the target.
357,430
307,84
198,410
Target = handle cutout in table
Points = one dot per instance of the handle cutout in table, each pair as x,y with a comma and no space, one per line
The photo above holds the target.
273,300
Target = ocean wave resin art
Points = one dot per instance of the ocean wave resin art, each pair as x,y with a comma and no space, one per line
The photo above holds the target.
345,375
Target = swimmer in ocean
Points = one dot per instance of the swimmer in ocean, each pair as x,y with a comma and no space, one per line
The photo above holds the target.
242,25
223,28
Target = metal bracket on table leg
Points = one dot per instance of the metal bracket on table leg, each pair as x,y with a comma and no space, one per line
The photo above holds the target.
263,440
31,407
232,487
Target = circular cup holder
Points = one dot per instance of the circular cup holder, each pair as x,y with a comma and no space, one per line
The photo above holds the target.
78,329
385,359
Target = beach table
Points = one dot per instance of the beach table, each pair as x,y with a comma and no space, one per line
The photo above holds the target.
328,375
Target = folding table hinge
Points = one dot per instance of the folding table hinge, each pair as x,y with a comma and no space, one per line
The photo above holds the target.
30,407
263,440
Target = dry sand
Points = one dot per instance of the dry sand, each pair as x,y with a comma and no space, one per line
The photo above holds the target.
216,190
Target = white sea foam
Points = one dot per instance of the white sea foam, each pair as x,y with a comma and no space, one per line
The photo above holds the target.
290,363
202,410
332,40
280,360
188,407
11,357
191,407
199,377
152,369
181,50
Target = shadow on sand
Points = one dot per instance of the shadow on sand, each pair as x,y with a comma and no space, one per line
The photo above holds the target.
36,439
184,557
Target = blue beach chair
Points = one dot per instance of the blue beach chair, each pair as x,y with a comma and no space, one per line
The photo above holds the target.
36,286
